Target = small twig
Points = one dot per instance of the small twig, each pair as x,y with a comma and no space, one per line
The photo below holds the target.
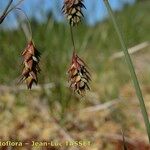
133,142
124,141
23,87
131,50
100,107
117,137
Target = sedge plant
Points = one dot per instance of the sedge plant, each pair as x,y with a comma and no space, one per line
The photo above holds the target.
30,55
79,76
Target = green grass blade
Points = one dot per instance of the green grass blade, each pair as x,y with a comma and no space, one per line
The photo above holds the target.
131,68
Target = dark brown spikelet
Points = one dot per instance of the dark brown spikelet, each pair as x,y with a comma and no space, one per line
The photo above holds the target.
31,68
73,11
79,76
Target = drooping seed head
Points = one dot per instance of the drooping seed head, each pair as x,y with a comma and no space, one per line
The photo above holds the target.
73,11
79,76
31,68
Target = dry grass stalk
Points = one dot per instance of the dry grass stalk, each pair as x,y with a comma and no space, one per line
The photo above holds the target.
73,11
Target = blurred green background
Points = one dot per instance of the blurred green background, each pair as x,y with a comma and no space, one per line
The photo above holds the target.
34,114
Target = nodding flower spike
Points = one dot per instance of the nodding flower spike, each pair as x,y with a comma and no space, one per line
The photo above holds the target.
79,76
73,11
31,58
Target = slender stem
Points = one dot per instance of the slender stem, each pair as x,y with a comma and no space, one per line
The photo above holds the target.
7,7
72,38
14,7
131,68
7,10
124,141
2,17
29,37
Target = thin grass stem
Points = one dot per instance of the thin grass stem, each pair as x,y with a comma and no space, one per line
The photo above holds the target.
8,9
131,68
72,38
29,37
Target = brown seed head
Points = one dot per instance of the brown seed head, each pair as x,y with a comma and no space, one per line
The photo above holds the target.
79,76
31,58
73,11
